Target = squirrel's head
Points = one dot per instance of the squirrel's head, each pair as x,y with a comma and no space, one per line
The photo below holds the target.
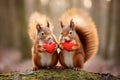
43,32
68,31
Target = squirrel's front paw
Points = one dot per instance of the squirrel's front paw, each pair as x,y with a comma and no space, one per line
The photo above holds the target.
60,46
35,68
77,68
41,50
73,48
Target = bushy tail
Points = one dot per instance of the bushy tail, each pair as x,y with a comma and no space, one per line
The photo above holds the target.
89,38
87,33
85,29
35,19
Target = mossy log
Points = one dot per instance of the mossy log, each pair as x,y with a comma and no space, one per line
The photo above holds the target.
52,74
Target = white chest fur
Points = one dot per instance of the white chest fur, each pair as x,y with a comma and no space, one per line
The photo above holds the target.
46,59
68,58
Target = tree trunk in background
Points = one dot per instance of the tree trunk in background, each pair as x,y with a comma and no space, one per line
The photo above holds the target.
6,38
102,26
14,22
117,27
24,42
108,30
97,14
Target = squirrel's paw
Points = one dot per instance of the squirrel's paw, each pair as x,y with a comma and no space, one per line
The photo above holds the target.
77,68
60,46
74,48
41,50
35,68
61,67
55,67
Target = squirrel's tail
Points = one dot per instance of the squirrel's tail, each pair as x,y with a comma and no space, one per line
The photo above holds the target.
89,38
87,33
35,19
85,29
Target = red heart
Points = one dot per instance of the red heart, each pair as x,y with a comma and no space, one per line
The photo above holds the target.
49,47
68,45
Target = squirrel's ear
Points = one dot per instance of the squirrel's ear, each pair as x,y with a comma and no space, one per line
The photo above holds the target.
61,24
48,25
38,27
72,24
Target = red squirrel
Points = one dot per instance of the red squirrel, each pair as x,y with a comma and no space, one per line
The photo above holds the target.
44,50
78,39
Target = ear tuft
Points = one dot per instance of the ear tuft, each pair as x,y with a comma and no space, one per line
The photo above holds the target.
48,25
61,24
71,24
38,27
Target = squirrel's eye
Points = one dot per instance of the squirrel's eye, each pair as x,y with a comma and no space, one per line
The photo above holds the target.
42,33
70,32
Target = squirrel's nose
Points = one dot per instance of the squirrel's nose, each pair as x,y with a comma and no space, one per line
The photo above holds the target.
49,38
66,38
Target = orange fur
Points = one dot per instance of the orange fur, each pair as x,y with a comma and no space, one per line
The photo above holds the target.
86,32
39,55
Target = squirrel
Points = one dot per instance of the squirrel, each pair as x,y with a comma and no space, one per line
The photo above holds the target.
78,41
40,31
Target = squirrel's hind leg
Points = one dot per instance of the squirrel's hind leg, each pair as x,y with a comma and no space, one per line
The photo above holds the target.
78,61
35,61
61,60
54,60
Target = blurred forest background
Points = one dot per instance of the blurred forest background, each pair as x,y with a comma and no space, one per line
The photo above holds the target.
15,45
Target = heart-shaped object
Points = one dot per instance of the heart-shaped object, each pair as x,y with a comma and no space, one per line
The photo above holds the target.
68,45
49,47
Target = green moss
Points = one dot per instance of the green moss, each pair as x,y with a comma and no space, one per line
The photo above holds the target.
51,74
